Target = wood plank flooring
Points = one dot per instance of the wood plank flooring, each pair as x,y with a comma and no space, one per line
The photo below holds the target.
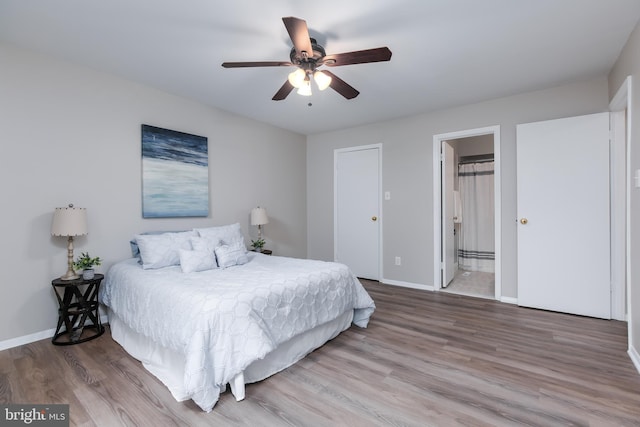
427,359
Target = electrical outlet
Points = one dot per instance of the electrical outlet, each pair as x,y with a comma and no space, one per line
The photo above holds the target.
398,261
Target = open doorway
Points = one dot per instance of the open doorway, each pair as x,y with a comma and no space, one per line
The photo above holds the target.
473,235
467,212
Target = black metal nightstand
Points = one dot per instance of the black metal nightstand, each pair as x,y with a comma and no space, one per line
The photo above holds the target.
263,251
79,301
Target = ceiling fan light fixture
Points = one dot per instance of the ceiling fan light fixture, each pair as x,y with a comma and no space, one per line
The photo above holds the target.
305,89
307,55
297,78
322,80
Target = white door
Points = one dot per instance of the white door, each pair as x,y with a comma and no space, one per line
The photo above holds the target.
357,210
448,231
563,215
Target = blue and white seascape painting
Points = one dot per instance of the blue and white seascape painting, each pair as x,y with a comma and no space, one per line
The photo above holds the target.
175,174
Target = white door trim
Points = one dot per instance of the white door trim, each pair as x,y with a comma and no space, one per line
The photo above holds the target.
437,202
617,156
621,194
336,153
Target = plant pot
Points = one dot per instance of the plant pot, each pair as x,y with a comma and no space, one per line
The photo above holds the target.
88,273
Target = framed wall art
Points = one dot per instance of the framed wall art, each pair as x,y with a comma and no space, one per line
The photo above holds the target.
175,174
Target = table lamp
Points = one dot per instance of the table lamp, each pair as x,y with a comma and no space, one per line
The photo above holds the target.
69,222
259,218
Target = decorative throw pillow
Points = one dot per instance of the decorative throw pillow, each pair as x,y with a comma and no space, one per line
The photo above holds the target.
162,250
201,258
233,254
192,261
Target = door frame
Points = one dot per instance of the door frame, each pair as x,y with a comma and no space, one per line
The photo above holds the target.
437,202
620,108
336,153
448,217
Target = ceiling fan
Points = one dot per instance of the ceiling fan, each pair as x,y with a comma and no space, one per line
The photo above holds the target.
309,56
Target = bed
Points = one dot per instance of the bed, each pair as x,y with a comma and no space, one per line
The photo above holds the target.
198,326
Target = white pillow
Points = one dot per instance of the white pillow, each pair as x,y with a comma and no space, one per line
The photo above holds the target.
162,250
135,251
233,254
191,261
204,244
201,258
225,234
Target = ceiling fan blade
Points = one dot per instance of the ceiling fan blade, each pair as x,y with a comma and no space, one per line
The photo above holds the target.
299,34
358,57
340,86
283,92
256,64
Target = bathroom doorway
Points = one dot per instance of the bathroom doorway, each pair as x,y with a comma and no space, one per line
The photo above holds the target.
467,212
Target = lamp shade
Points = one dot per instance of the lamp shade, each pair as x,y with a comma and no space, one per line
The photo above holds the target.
259,216
305,88
322,80
297,77
69,221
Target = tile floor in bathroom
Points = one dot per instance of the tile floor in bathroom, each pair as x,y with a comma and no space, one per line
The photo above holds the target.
472,283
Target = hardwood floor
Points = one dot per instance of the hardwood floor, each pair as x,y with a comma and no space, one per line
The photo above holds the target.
427,359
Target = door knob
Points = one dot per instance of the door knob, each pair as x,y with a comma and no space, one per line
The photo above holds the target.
374,218
524,221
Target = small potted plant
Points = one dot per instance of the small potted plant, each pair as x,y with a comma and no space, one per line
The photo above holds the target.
85,263
258,244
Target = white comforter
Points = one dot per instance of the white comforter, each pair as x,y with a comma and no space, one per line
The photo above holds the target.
222,320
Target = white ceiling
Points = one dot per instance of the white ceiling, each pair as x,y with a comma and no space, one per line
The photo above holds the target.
445,52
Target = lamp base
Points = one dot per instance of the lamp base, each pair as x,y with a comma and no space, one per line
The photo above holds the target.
69,275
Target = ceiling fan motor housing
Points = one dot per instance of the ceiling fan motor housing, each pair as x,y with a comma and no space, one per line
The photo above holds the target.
307,62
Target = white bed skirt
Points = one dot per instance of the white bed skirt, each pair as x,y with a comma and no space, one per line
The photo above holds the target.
168,365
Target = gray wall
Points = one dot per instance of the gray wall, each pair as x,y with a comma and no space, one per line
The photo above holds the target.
72,135
407,173
628,64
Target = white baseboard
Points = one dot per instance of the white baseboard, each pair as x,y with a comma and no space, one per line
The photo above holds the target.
26,339
635,358
407,284
508,300
37,336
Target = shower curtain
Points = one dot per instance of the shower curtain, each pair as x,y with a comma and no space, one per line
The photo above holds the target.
476,245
